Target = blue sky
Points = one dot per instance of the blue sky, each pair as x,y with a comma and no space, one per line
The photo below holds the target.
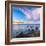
21,14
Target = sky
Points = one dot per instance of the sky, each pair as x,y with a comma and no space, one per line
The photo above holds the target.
26,14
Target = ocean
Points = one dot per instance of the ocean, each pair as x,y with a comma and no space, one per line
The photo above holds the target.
18,28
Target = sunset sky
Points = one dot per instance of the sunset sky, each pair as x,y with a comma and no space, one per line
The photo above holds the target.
26,14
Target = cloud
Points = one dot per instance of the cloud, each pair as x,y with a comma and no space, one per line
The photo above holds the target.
36,14
26,12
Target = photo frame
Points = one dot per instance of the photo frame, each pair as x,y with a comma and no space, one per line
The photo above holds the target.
24,22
